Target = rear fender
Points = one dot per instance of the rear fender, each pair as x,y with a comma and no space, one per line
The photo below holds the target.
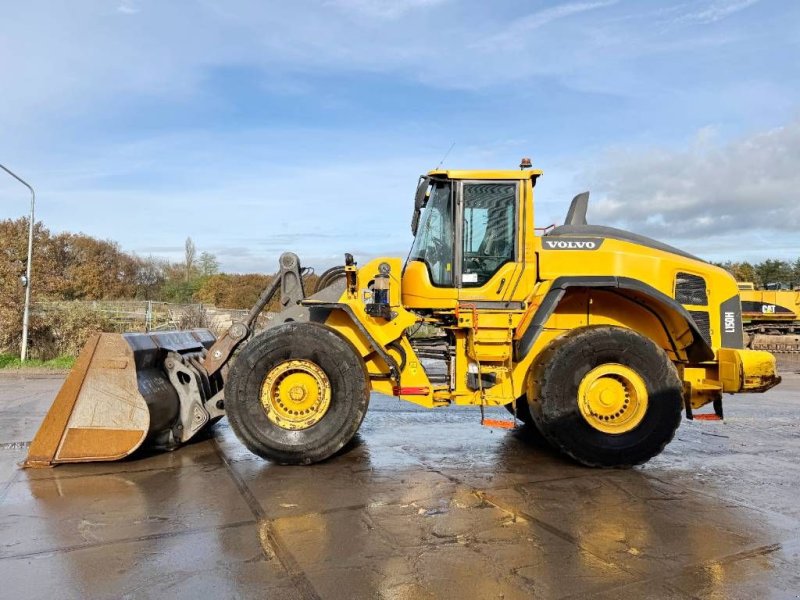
682,332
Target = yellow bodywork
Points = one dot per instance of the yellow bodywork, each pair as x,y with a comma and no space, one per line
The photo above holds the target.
746,370
488,322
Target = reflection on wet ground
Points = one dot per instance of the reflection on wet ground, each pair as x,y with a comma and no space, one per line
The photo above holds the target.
424,505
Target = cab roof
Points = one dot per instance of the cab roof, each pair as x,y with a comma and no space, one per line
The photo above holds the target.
486,174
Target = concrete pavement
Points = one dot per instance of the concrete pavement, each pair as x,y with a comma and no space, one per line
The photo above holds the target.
425,505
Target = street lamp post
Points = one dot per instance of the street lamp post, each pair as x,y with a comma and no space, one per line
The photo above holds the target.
26,312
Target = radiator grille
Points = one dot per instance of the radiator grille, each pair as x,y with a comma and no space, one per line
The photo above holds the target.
701,318
690,289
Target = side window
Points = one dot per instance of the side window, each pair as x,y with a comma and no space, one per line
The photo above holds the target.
489,234
434,242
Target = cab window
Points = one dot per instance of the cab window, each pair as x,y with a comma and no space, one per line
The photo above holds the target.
433,244
488,236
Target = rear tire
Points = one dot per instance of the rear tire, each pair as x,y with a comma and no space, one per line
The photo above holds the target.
530,428
329,354
560,405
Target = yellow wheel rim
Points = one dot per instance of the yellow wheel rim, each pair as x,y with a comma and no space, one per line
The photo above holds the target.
612,398
296,394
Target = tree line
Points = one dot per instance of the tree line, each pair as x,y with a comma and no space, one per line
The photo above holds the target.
765,272
75,266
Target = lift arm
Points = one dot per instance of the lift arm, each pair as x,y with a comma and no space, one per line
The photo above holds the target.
290,282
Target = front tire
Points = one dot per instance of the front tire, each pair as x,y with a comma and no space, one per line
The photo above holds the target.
606,396
297,393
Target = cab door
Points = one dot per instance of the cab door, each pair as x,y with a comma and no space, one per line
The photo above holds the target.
487,241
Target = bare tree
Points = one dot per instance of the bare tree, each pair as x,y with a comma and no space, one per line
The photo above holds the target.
189,254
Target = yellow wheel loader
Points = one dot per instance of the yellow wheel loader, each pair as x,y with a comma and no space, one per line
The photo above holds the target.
597,338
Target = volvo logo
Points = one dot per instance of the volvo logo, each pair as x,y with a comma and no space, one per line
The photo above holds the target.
572,244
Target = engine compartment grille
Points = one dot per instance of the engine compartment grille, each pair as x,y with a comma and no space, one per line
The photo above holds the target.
690,289
701,318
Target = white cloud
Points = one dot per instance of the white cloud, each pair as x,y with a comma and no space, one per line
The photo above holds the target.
127,7
86,59
716,11
381,9
514,34
748,185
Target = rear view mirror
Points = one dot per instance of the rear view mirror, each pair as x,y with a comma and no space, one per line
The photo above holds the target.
420,200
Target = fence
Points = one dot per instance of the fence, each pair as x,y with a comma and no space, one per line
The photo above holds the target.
146,315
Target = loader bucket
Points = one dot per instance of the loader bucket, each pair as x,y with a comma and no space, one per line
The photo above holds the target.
116,399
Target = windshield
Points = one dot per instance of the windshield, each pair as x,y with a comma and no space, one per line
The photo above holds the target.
433,244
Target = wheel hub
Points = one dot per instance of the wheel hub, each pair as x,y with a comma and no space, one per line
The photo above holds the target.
296,394
612,398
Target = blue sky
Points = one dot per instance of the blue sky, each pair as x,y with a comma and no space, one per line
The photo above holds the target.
256,127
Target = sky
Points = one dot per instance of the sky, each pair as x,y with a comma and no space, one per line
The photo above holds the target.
257,127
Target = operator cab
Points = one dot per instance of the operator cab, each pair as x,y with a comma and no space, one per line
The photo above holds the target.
467,236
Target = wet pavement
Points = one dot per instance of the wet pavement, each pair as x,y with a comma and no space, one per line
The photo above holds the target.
425,505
